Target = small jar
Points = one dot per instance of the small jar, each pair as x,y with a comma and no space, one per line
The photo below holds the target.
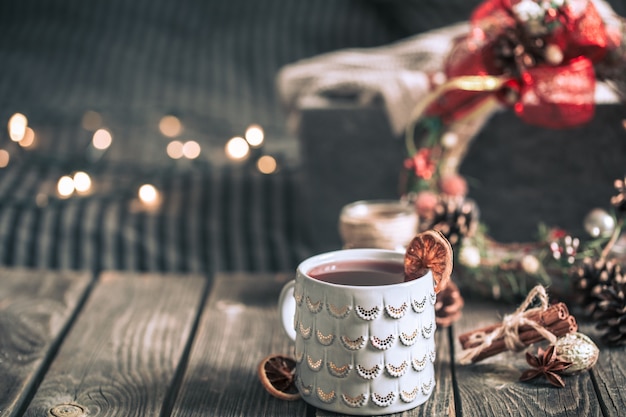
383,224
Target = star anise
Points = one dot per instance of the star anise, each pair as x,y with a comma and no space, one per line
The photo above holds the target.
545,364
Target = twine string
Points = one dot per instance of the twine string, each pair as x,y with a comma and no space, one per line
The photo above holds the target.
509,331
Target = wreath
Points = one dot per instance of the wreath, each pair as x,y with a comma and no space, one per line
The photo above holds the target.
541,58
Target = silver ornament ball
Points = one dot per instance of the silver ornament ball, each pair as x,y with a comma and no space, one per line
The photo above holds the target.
599,223
578,349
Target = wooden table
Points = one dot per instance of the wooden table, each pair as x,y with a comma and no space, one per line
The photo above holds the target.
127,344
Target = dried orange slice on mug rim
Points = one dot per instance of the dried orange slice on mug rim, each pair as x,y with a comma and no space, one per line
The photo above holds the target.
429,250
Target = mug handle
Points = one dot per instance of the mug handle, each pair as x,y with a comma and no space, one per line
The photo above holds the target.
287,309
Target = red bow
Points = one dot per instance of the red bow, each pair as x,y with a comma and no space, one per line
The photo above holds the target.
553,88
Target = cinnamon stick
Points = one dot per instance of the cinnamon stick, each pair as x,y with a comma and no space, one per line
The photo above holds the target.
530,336
554,313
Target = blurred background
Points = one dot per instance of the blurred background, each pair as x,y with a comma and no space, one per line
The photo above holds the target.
149,135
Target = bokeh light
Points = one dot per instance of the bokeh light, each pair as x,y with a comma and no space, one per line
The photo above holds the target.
92,120
65,186
4,158
102,139
28,141
82,182
175,149
266,164
237,148
191,149
148,194
170,126
255,136
17,127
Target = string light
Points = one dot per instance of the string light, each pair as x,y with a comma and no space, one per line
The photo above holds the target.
191,149
28,141
170,126
82,182
266,164
175,149
4,158
255,136
102,139
237,148
149,195
65,186
17,127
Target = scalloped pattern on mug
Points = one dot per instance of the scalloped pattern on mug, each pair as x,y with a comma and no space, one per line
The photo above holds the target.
433,298
370,373
338,312
353,344
314,307
427,331
324,339
419,306
305,332
396,312
383,401
419,364
370,314
409,339
427,387
433,355
382,344
409,396
354,402
298,298
339,371
397,371
314,365
326,397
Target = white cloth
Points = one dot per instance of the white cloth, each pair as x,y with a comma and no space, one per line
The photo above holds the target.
396,73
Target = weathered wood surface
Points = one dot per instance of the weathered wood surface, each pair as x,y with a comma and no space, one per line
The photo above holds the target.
491,388
154,345
121,356
239,327
35,310
609,374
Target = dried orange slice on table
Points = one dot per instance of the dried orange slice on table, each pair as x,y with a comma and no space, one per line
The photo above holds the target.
277,375
429,250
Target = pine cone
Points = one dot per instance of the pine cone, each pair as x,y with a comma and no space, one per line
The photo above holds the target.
610,314
592,278
449,305
456,218
515,51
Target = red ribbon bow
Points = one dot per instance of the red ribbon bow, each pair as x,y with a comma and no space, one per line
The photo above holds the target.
554,92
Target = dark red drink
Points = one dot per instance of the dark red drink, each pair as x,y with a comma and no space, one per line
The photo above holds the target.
359,273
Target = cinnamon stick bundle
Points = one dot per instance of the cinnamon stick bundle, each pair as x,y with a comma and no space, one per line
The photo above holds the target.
555,318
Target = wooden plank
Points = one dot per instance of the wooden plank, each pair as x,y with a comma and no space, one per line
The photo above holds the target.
35,309
491,387
239,327
121,356
609,374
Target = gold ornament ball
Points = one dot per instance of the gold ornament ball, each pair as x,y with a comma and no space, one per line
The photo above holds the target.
599,223
578,349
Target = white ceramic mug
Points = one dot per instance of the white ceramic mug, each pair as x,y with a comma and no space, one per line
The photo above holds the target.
362,350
